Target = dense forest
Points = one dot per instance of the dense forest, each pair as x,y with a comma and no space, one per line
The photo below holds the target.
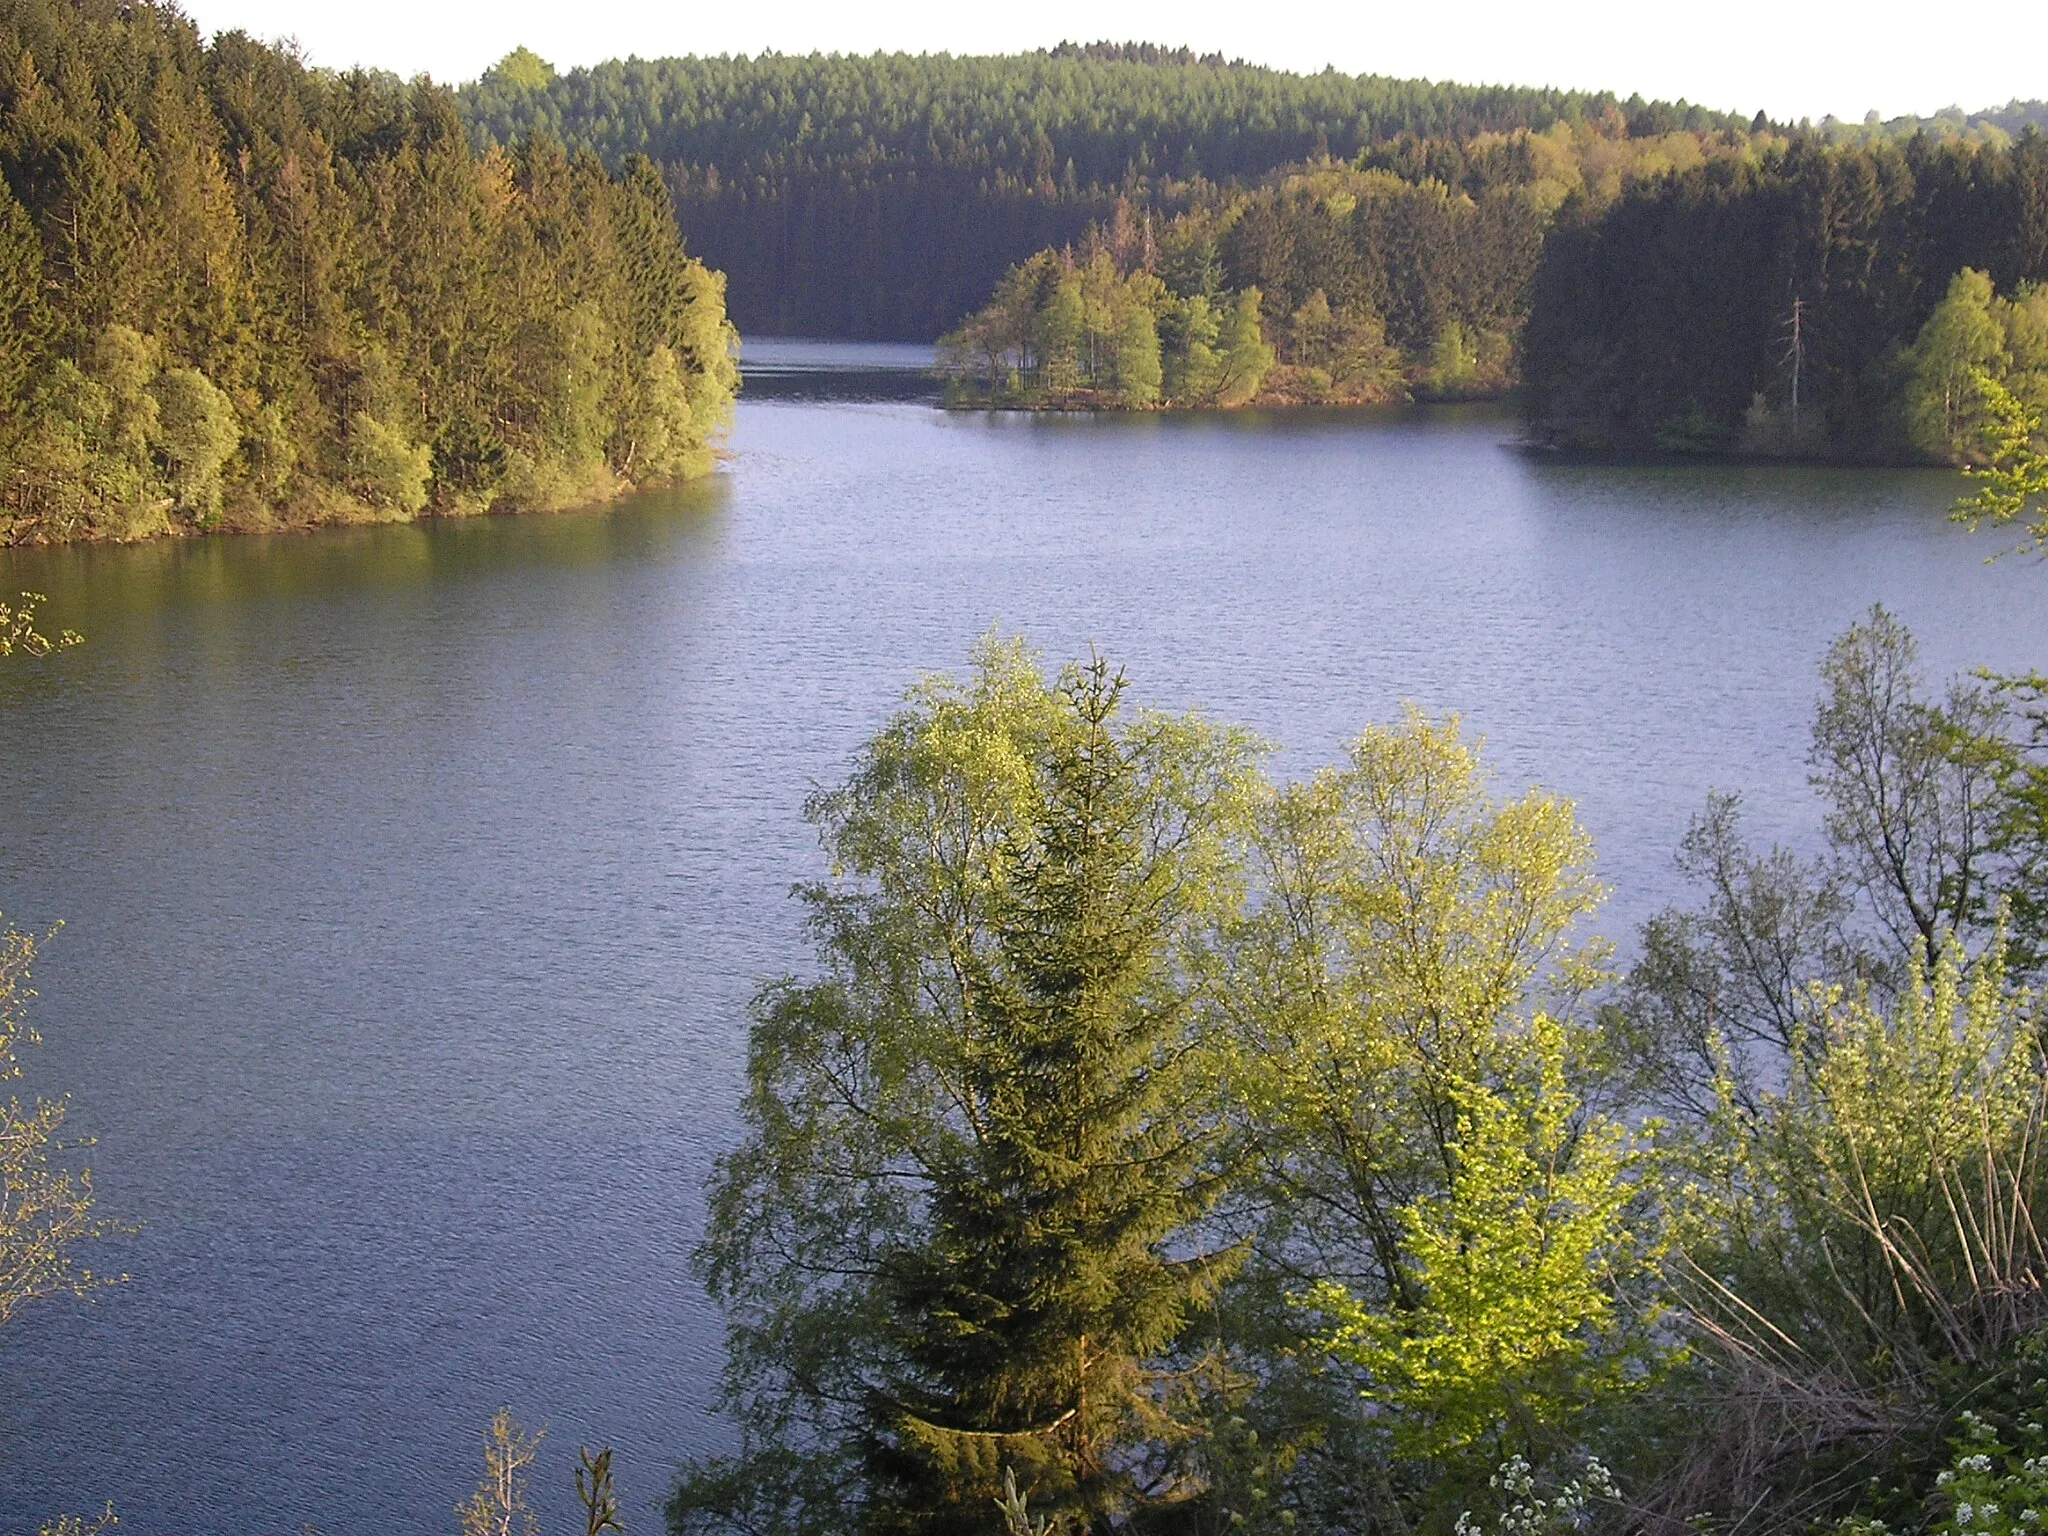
242,292
1667,320
1751,292
1406,274
1123,225
884,196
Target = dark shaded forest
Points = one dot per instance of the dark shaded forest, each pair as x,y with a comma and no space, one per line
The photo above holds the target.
1664,322
242,292
883,197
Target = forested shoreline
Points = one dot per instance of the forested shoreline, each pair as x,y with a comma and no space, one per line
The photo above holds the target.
243,293
1666,323
882,197
1729,293
1094,227
1405,275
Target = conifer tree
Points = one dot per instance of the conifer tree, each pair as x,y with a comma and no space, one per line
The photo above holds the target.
24,315
964,1234
1044,1285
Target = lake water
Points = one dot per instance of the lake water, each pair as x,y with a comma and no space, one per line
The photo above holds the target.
415,878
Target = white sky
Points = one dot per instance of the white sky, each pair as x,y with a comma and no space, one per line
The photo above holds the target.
1794,58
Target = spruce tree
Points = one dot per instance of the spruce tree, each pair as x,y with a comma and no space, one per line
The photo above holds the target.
1030,1313
966,1234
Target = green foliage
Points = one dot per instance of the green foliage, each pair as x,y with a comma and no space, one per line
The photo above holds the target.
1855,1088
18,630
1863,1248
1157,1147
521,71
1330,355
1515,1264
1070,333
385,469
1674,302
2013,480
273,452
1371,287
1138,370
664,438
1189,331
1912,785
2018,819
499,1506
885,195
1089,336
1242,354
24,310
1960,341
46,1209
1992,1488
1929,849
1414,1083
78,1525
242,291
1047,1275
1114,1049
1453,366
1015,1509
120,419
196,433
964,1233
596,1493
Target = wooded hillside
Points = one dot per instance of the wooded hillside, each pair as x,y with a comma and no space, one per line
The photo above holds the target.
240,291
883,196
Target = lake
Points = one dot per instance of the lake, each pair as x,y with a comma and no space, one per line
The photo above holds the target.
415,878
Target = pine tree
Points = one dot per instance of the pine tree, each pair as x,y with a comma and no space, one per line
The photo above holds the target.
1031,1312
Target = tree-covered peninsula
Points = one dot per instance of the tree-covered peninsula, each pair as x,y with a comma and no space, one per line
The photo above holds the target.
1407,273
237,291
1755,292
883,196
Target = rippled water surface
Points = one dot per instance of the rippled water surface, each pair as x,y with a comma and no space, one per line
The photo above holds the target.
415,878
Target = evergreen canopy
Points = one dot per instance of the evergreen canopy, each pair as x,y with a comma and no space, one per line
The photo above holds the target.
238,289
883,195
